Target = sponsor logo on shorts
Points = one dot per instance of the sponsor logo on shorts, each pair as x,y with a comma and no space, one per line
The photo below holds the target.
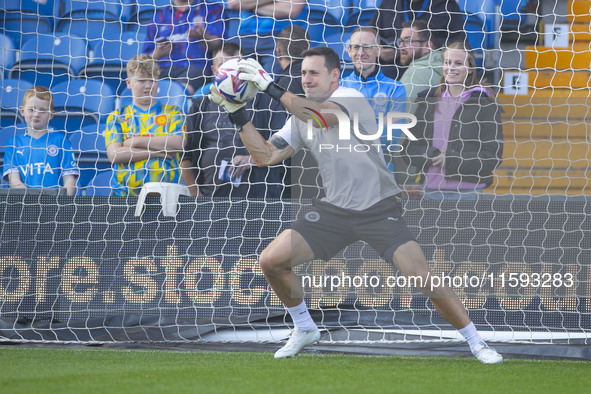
312,216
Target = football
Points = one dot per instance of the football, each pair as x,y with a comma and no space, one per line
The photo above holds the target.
230,86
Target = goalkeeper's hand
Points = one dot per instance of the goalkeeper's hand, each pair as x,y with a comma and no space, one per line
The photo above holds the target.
236,112
252,71
218,99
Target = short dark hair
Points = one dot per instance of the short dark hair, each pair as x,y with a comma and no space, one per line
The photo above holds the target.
331,59
422,28
230,49
293,41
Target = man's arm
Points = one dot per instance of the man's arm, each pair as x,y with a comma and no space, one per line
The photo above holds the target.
209,41
264,152
70,184
300,107
281,9
168,143
189,178
15,181
122,154
246,5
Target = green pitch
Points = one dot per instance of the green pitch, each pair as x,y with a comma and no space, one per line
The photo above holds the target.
50,370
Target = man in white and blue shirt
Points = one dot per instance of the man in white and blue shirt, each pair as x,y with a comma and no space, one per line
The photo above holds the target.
384,93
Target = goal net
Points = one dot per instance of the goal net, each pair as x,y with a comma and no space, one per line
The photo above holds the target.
89,268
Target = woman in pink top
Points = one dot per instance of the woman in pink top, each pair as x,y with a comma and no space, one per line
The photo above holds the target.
460,138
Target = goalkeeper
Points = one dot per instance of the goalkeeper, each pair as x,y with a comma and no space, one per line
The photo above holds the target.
360,202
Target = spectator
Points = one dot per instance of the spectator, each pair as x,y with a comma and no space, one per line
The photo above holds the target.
270,115
444,18
385,94
460,139
417,52
260,20
144,139
40,158
181,35
212,139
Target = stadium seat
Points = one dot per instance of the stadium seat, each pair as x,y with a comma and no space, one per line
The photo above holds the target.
338,9
109,60
477,36
511,10
89,141
480,22
8,132
11,98
25,19
49,60
7,54
169,92
89,145
80,102
93,20
323,27
100,184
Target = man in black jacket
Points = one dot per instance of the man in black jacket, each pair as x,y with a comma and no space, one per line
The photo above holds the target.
270,116
214,151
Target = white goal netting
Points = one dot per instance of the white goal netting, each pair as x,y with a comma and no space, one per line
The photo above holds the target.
85,268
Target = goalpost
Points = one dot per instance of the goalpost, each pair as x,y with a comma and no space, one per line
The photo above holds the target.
86,269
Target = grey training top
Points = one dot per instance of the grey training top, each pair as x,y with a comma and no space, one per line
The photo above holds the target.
353,171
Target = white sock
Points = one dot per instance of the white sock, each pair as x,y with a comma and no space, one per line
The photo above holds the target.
473,337
301,317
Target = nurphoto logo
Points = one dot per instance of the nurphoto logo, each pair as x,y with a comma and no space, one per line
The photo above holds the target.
393,121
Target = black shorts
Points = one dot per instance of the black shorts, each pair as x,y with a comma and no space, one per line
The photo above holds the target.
328,229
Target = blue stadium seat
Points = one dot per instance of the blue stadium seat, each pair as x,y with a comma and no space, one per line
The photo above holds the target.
323,27
479,21
89,141
169,92
100,184
25,19
477,36
93,20
89,145
339,9
511,10
8,132
109,60
7,54
11,98
80,102
49,60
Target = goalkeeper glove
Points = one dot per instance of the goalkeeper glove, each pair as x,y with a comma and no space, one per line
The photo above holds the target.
253,72
236,112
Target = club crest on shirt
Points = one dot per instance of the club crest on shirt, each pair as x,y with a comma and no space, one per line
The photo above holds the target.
312,216
52,150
